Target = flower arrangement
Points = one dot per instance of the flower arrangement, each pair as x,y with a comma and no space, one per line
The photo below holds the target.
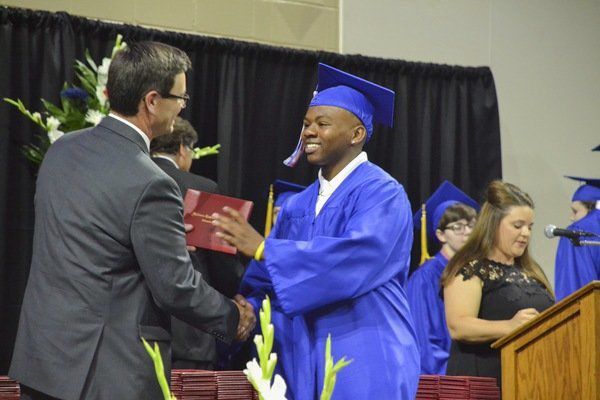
261,374
80,107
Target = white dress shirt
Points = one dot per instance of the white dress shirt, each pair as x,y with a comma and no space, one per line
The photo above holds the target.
326,188
138,130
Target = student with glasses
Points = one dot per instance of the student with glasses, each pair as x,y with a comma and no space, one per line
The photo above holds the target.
492,285
449,218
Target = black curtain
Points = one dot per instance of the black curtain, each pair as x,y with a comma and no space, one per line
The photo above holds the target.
250,98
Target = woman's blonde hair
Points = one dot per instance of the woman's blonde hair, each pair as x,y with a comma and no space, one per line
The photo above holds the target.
500,197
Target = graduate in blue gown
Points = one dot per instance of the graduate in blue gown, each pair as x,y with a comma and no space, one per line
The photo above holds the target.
337,259
577,266
451,217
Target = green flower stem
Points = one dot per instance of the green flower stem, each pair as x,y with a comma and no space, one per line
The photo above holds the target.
21,107
331,370
206,151
264,344
159,369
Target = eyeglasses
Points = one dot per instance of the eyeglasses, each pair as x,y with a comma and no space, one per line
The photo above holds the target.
460,228
182,99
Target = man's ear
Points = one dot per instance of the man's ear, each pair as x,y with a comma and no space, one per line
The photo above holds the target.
359,134
182,150
150,101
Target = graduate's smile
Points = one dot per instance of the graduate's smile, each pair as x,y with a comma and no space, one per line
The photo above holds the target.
311,147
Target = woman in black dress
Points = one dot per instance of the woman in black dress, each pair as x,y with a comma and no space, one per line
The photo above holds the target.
492,285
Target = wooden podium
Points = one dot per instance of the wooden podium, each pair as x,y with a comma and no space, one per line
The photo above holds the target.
556,355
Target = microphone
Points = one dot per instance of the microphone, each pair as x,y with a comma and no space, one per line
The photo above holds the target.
552,231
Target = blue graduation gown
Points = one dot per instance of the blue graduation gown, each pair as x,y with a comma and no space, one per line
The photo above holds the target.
577,266
427,308
342,273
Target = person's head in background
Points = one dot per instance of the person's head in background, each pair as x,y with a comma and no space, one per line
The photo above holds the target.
454,228
580,209
450,215
178,146
502,233
585,198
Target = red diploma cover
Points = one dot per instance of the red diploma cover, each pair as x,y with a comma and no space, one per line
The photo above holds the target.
198,208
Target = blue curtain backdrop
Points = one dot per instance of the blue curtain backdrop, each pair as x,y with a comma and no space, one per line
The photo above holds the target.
250,98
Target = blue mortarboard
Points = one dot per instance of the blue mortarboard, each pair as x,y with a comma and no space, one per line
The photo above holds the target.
589,191
597,148
445,196
368,101
282,190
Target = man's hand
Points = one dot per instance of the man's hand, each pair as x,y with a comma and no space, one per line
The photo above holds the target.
247,318
237,231
189,227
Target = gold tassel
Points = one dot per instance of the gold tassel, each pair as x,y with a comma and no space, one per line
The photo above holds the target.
269,217
424,252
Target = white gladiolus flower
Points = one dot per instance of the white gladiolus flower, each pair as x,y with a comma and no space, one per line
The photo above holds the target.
52,124
54,135
102,80
94,117
101,94
103,71
254,374
278,389
268,392
37,116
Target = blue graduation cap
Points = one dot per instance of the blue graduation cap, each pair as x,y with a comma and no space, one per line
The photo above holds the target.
589,191
445,196
282,191
597,148
368,101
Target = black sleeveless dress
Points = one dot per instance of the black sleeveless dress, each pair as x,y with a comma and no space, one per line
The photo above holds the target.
506,290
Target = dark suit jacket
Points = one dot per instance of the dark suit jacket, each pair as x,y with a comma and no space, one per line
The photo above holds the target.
222,271
109,265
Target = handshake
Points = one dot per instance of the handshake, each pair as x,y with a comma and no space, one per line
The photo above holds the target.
247,318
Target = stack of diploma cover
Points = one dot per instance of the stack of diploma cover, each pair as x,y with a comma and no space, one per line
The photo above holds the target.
9,389
436,387
190,384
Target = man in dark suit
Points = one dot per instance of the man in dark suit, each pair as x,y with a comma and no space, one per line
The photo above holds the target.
109,259
193,348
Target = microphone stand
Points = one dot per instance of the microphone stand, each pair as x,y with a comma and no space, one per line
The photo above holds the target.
578,241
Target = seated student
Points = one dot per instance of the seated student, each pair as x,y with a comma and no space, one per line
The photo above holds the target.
492,285
452,218
337,260
576,266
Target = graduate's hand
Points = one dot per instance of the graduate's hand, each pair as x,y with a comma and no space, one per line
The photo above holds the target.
237,231
189,227
247,318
